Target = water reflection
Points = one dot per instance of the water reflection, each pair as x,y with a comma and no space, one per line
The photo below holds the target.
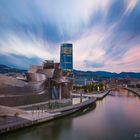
116,117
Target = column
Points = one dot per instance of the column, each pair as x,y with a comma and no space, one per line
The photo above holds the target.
60,92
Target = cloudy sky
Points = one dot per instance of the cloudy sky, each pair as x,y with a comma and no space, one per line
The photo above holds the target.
105,33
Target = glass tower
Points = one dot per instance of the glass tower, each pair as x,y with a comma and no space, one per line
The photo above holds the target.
66,57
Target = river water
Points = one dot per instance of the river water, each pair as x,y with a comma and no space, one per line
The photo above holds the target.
116,117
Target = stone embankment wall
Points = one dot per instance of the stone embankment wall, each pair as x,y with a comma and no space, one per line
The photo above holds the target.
134,91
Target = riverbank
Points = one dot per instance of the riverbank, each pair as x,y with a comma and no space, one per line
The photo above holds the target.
29,118
134,91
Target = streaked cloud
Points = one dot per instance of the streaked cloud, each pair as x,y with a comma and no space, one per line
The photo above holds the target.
130,5
105,33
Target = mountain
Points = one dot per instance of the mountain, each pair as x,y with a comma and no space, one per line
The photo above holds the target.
83,74
6,69
104,74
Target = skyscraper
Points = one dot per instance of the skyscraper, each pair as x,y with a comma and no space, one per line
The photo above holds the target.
66,57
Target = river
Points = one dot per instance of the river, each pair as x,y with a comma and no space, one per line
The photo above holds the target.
116,117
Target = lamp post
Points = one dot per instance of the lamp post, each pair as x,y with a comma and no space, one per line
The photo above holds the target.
60,94
81,95
98,88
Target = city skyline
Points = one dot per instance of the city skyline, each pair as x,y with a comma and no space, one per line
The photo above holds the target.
105,33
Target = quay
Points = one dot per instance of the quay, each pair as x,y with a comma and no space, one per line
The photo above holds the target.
137,92
27,118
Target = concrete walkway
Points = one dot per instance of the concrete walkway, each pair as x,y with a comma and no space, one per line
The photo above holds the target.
76,100
29,118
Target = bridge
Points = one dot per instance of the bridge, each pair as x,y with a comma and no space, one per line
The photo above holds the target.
89,95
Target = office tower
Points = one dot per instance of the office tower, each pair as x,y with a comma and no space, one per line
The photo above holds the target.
66,57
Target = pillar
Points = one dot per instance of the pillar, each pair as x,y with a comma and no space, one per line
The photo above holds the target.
60,92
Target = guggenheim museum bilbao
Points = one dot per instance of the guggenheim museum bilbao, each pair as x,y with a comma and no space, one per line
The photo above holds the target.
49,81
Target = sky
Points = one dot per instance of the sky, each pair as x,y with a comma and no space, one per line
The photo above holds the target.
105,33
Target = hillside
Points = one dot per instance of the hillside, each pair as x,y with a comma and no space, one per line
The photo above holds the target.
6,69
84,74
104,74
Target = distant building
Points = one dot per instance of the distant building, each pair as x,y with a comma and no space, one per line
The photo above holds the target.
80,82
66,57
83,81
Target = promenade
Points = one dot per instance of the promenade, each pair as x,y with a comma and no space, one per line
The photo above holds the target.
28,118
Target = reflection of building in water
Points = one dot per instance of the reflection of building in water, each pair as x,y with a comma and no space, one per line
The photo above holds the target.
123,90
138,99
